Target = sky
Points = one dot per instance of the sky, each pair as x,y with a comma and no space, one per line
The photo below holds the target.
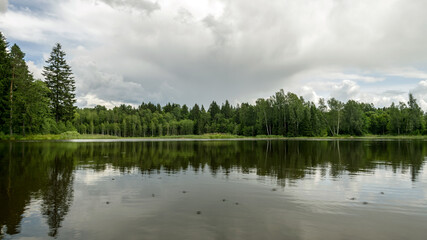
133,51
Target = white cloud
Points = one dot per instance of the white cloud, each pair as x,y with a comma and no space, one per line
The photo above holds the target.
197,51
345,90
420,93
90,100
35,69
383,99
309,94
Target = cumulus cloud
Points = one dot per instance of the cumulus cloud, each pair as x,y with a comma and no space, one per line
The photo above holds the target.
90,100
382,99
35,69
309,94
420,93
197,51
345,90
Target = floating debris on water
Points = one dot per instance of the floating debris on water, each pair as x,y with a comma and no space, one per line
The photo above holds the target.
352,198
199,212
184,191
273,189
107,202
153,195
236,203
365,203
382,193
223,200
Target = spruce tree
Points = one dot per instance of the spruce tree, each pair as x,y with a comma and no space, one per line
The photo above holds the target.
29,104
59,79
5,74
20,81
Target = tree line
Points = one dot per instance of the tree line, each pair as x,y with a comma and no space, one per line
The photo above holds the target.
29,105
284,114
34,106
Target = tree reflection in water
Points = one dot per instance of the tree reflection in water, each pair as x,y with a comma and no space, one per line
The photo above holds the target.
45,171
58,193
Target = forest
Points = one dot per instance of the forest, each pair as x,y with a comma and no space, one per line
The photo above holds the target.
47,106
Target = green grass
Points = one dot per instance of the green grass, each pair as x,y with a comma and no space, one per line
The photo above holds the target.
63,136
204,136
365,137
75,135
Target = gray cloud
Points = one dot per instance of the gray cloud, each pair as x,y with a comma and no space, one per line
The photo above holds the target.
219,29
3,6
393,93
143,5
198,51
184,16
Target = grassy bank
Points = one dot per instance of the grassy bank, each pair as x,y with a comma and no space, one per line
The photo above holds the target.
76,135
62,136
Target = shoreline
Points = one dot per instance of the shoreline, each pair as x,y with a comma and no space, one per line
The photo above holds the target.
206,137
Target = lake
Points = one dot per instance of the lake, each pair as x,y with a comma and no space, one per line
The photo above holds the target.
248,189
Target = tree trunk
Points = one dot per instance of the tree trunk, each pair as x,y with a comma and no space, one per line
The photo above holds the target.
266,126
338,124
297,125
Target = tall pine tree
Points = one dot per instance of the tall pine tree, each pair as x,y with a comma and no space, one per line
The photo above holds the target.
29,104
61,83
20,81
5,74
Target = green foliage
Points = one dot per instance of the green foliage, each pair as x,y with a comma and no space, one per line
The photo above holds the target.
334,115
186,127
5,75
353,118
280,115
70,135
49,126
24,102
61,83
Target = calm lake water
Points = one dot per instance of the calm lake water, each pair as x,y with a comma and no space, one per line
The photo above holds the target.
213,190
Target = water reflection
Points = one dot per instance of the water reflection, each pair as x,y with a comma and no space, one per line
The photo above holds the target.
35,171
58,192
45,171
280,159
